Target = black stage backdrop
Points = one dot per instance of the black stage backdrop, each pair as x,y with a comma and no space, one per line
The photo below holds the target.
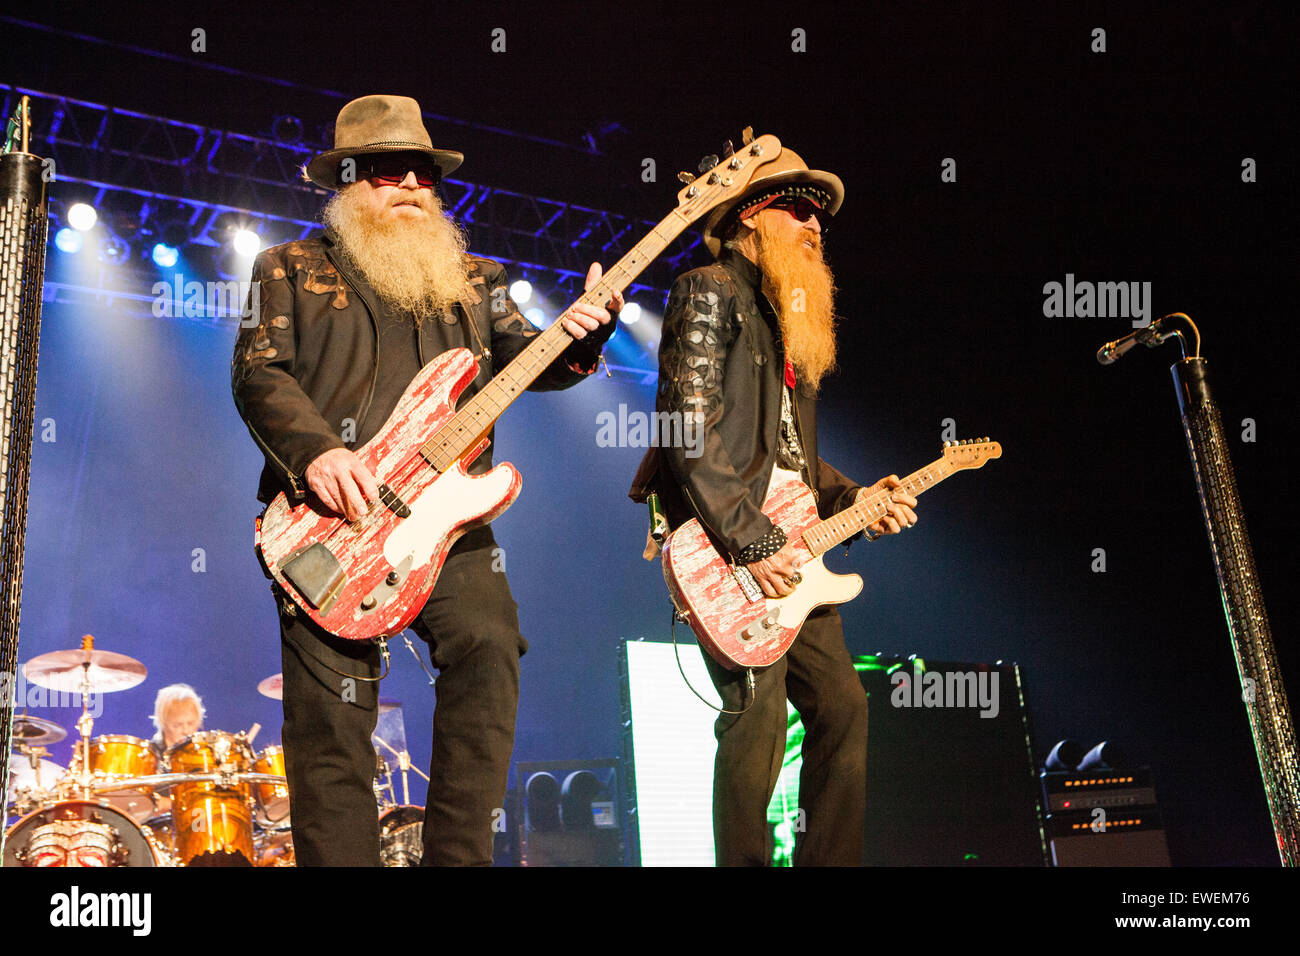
1125,165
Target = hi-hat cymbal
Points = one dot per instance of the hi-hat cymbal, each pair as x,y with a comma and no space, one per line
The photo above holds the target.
386,704
272,687
67,671
22,775
35,731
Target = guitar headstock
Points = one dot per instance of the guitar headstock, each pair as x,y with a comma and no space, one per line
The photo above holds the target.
721,180
970,452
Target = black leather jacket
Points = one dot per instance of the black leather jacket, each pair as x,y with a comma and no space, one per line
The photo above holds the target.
309,365
720,360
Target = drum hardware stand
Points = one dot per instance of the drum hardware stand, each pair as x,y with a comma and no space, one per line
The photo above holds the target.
404,764
1263,692
382,772
85,724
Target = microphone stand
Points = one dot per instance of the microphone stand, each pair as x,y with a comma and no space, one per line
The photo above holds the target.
1234,564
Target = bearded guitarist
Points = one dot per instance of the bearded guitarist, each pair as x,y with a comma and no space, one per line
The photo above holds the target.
346,322
746,342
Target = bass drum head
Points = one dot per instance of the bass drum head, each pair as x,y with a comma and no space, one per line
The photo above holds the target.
401,836
78,833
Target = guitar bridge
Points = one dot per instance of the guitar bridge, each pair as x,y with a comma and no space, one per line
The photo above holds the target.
317,575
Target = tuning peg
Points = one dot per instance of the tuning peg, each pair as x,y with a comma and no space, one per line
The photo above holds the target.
747,135
685,177
708,162
727,149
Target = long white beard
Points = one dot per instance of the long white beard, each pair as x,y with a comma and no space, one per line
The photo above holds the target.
418,266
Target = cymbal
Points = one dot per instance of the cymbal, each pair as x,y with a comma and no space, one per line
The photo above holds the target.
272,687
35,731
64,671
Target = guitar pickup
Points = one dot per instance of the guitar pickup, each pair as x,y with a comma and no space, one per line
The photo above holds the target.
748,585
393,503
317,575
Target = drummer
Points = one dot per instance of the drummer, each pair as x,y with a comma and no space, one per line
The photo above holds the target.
177,713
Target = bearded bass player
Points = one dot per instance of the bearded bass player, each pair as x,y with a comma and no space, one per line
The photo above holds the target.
746,342
346,322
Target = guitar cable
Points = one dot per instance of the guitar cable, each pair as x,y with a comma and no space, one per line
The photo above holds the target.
749,676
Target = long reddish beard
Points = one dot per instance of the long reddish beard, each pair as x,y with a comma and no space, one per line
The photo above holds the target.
417,266
799,283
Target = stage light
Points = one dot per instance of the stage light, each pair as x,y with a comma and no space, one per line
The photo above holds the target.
579,791
542,802
1065,756
82,217
1104,756
630,314
521,290
246,242
536,316
165,256
67,240
175,233
113,250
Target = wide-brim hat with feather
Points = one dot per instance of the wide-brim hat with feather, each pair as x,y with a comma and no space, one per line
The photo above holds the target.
787,174
378,124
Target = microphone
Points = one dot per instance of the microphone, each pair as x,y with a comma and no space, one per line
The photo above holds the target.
1150,336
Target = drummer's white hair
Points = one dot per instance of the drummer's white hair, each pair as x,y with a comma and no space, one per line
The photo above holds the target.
172,694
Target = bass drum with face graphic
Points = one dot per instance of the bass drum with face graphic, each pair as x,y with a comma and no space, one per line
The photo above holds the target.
80,833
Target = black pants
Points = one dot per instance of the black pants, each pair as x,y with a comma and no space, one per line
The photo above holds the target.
817,676
471,625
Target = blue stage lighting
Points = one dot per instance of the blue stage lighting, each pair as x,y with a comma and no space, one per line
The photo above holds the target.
68,240
630,314
537,317
165,256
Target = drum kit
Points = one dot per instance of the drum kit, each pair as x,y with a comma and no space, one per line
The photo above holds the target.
208,800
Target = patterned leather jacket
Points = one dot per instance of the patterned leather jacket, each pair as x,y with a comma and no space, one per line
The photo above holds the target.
310,363
721,366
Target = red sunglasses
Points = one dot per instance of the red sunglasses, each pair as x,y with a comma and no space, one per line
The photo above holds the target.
802,208
391,171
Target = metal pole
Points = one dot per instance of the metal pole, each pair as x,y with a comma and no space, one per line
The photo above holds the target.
23,230
1243,604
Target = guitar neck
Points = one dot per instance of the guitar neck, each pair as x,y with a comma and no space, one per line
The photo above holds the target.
825,535
476,417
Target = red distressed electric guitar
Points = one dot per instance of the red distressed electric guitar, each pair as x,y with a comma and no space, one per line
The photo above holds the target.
735,622
370,578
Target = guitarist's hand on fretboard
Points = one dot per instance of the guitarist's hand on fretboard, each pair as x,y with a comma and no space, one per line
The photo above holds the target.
900,514
583,318
773,573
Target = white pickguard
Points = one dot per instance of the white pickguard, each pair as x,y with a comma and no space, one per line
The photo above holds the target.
818,586
452,500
